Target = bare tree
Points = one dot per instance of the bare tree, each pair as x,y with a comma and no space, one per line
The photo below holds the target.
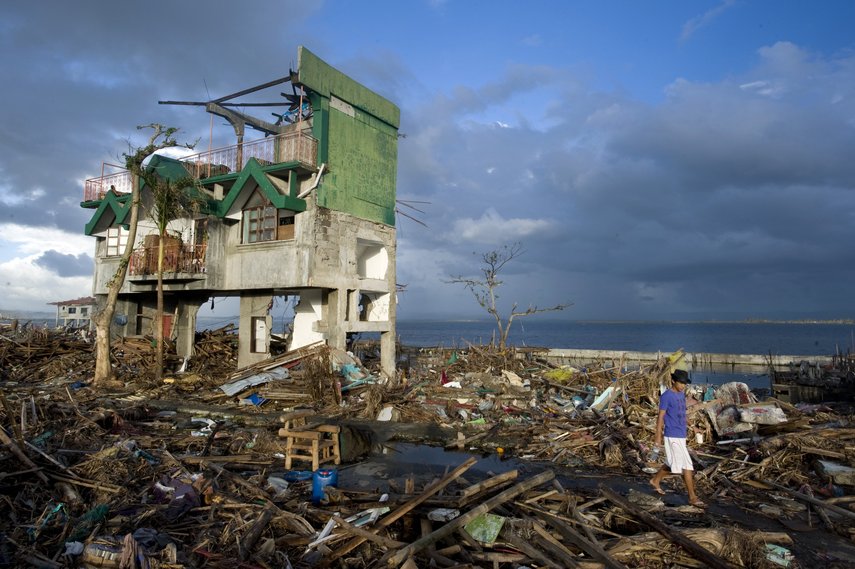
102,318
485,289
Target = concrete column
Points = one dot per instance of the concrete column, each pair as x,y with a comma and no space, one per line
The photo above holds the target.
185,328
388,340
307,318
336,316
253,305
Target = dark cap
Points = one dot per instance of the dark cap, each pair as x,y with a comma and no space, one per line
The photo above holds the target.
681,375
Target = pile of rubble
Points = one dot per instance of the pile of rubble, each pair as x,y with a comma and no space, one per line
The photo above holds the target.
190,472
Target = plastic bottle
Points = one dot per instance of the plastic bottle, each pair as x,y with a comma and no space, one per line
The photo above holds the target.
654,454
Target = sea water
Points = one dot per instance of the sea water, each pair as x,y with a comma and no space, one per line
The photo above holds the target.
776,338
705,337
801,340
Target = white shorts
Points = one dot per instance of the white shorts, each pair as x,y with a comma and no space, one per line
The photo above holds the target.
677,455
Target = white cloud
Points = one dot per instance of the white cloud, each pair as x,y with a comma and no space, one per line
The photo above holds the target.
26,286
32,241
765,88
705,19
12,196
491,228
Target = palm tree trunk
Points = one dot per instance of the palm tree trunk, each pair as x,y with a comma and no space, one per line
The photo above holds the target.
103,318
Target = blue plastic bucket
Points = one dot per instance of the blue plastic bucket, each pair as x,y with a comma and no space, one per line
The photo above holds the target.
320,480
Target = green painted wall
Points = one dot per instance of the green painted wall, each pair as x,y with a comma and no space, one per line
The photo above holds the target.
321,78
357,131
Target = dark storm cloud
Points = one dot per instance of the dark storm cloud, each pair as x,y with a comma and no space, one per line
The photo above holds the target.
730,196
66,265
81,76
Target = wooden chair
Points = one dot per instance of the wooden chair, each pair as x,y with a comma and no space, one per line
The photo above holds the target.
316,443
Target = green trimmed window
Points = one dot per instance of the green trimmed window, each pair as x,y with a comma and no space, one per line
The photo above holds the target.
260,220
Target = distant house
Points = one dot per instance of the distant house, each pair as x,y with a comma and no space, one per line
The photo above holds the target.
74,312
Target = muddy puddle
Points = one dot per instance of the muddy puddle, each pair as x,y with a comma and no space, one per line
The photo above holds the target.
398,461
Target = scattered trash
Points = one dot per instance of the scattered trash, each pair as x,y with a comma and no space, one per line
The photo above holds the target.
187,473
253,399
485,528
388,413
779,555
443,514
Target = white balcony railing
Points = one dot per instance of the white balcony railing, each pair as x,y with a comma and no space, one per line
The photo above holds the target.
96,188
289,147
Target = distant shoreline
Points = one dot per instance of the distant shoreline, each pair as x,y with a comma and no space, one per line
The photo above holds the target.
807,321
840,321
24,315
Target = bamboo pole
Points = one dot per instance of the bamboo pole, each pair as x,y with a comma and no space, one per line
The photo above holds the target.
811,500
21,455
691,547
403,510
591,547
399,556
251,536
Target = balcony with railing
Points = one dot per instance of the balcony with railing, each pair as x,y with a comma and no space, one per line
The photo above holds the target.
297,147
290,147
185,259
119,182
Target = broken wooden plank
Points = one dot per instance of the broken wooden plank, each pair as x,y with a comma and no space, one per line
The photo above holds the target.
691,547
21,455
403,510
227,459
399,556
589,546
533,552
87,484
468,494
501,557
815,501
384,542
254,532
549,543
652,541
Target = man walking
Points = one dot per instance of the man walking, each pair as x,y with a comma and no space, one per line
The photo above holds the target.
672,424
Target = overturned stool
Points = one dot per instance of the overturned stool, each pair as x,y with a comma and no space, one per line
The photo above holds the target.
318,443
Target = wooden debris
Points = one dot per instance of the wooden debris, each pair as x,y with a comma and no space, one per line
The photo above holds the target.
449,528
197,464
689,545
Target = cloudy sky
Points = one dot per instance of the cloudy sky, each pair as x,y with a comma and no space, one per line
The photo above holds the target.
656,160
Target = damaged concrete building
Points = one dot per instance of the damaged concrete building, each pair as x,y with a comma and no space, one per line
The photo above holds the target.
306,212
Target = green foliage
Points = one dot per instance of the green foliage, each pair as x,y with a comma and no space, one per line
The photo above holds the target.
172,198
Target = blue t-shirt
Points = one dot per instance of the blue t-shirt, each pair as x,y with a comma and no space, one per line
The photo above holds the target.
674,405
